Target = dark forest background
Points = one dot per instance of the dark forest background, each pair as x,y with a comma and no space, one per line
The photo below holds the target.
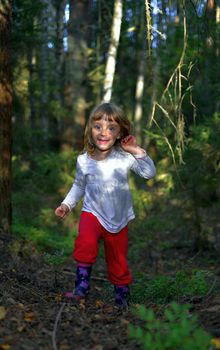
166,78
160,61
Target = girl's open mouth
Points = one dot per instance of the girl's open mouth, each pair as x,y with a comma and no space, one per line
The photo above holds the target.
103,141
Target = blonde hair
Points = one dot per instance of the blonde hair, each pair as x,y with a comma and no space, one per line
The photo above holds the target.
113,113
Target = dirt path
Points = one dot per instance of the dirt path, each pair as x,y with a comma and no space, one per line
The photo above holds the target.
31,297
33,314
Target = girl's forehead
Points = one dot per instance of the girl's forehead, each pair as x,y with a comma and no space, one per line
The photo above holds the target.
106,118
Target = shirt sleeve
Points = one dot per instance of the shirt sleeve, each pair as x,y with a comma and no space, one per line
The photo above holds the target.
77,190
143,166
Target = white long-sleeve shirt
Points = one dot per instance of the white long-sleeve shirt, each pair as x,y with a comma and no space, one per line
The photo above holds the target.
104,185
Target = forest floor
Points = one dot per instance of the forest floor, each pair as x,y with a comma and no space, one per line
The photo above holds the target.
34,315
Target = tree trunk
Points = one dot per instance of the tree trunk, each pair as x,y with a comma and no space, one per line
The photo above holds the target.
217,51
5,116
112,52
31,63
217,20
138,113
44,71
139,93
56,74
76,64
59,52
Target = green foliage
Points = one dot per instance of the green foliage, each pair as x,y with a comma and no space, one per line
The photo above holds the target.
46,240
161,289
26,27
40,185
178,329
201,172
57,258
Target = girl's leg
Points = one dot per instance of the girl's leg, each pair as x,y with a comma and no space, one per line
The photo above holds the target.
85,253
86,243
116,250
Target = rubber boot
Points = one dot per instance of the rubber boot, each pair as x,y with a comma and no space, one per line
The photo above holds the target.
121,295
82,283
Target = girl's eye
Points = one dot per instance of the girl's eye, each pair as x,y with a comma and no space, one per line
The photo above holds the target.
96,126
112,128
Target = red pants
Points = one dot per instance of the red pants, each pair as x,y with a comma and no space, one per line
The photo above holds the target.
115,245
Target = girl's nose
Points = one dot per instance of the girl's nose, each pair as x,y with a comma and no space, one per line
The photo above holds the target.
104,131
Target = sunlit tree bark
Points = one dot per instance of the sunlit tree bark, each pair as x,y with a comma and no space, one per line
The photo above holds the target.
217,29
5,116
112,53
218,43
138,113
31,61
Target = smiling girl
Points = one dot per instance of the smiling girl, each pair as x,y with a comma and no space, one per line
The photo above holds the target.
102,178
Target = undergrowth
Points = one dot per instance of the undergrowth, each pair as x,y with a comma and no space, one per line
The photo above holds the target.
163,289
176,329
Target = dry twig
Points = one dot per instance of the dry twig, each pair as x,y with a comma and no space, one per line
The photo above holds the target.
55,326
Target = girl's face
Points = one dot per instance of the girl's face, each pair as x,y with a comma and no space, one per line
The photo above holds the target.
105,133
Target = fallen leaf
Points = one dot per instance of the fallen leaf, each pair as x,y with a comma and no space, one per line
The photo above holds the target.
5,346
216,342
99,303
124,321
97,347
109,309
29,316
65,346
21,328
82,305
99,289
21,305
98,317
2,312
214,308
58,297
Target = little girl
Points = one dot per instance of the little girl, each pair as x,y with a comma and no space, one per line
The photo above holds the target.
102,178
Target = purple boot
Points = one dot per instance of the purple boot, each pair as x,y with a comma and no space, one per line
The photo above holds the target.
121,295
81,283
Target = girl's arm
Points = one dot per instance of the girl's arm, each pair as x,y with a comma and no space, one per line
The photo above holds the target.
76,192
142,165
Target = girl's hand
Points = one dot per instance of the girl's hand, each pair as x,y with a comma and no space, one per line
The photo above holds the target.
62,211
129,144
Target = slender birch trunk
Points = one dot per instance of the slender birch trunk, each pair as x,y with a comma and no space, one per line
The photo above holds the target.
217,20
138,113
31,67
112,52
139,93
5,116
217,51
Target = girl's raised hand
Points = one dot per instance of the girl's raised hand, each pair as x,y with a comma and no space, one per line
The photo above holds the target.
62,211
129,144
